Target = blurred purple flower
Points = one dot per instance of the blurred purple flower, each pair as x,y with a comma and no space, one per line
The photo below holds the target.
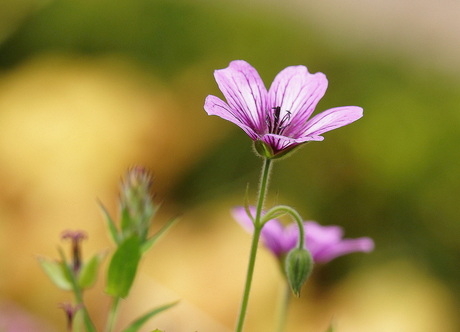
324,242
280,117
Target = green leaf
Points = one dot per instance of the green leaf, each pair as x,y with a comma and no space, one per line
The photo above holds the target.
123,267
137,324
151,241
113,231
88,274
56,272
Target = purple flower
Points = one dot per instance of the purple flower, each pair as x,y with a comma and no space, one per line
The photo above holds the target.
278,119
324,242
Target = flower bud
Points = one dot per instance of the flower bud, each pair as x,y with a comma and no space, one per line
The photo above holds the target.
136,203
298,265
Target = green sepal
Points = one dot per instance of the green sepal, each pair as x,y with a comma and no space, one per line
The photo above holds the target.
113,231
263,149
56,272
152,240
298,265
137,324
123,267
246,204
88,273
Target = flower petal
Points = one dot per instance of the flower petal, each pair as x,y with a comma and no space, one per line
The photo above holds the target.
291,237
332,119
273,237
272,232
240,215
295,90
279,142
319,237
215,106
363,244
245,93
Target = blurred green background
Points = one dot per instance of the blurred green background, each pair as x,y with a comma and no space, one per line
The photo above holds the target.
88,88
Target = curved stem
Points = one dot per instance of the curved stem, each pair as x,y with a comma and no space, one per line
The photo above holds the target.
255,241
283,209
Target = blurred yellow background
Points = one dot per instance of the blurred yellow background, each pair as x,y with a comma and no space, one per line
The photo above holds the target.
89,88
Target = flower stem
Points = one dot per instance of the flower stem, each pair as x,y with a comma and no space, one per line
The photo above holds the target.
283,307
78,294
112,314
282,209
255,241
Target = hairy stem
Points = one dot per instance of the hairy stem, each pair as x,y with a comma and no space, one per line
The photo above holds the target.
263,186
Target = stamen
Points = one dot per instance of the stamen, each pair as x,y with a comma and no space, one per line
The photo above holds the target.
275,126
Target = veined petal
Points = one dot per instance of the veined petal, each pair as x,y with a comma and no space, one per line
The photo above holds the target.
295,90
363,244
279,142
245,93
215,106
332,119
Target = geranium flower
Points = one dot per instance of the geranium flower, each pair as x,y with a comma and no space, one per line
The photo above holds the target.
278,119
324,242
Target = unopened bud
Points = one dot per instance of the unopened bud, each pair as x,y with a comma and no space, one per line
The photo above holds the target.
136,203
76,237
298,265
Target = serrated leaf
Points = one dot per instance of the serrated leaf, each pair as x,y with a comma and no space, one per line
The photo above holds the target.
88,274
137,324
152,240
113,231
123,267
56,272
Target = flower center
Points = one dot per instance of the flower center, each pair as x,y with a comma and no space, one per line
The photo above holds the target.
275,124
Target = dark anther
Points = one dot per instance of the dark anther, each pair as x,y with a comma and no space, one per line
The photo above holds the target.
275,125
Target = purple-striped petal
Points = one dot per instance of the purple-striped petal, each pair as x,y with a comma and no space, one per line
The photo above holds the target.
295,90
215,106
332,119
245,93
